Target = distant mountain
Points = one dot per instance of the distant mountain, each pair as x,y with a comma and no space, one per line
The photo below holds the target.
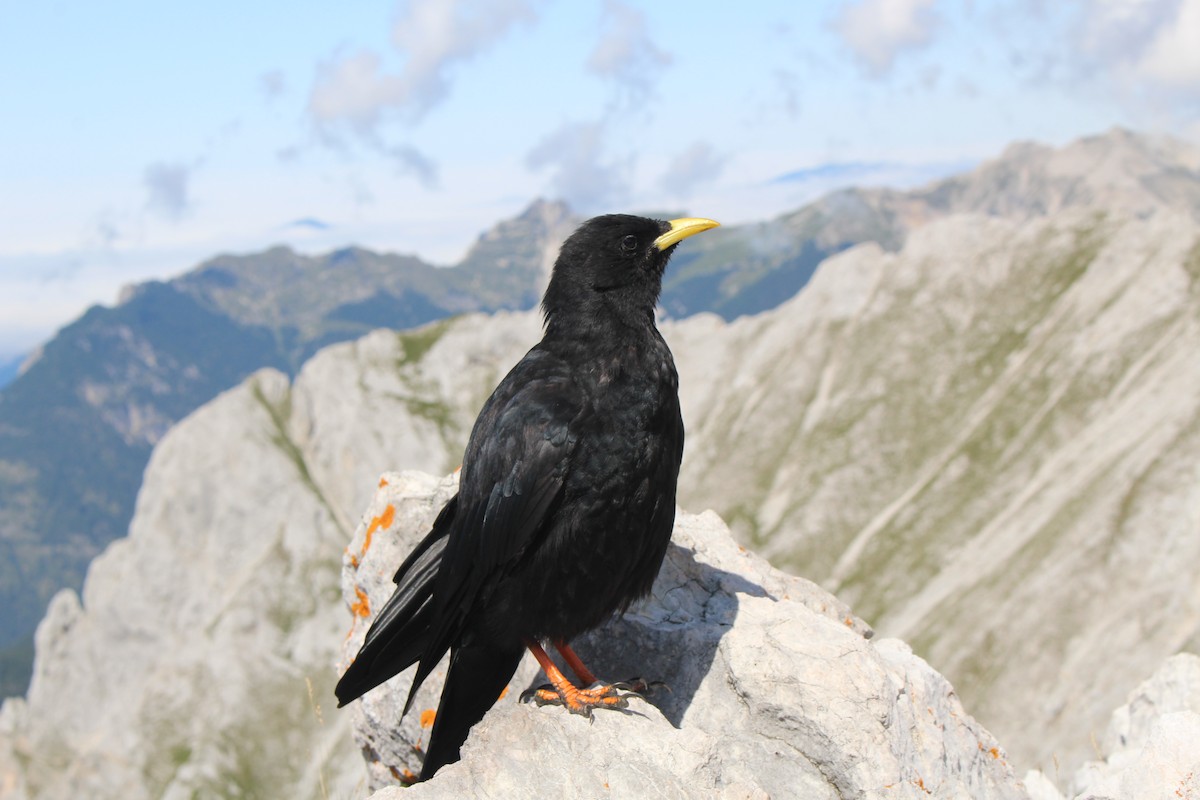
748,269
835,170
77,426
9,370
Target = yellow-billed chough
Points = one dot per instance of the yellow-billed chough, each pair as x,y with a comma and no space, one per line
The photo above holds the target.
566,499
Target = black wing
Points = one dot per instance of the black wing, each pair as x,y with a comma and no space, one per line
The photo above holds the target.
513,471
398,635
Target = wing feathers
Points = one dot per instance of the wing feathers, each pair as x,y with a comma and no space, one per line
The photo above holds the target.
514,467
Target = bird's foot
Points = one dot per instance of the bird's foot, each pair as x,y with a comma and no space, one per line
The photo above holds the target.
582,701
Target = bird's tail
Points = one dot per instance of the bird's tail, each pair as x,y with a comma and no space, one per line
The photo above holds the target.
399,635
478,674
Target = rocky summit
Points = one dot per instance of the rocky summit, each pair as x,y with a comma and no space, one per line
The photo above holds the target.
775,689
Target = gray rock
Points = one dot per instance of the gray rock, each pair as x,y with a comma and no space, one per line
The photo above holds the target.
775,690
1152,746
986,444
196,662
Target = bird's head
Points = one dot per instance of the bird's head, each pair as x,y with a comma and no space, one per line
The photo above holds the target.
615,263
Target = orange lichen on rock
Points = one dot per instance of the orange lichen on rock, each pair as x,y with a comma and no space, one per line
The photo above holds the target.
408,776
427,717
361,608
503,694
379,523
382,482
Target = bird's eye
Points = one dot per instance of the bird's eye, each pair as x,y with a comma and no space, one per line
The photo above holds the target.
629,243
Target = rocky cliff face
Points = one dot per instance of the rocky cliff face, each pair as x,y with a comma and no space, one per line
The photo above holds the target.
199,659
1152,744
986,443
196,663
1149,749
78,424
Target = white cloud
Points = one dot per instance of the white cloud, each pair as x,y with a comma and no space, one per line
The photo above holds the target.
1114,29
358,93
355,91
272,84
1147,51
582,173
625,52
694,167
1172,56
413,162
167,189
876,31
583,170
433,36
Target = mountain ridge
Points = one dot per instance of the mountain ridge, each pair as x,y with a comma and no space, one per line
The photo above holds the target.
76,427
78,423
920,394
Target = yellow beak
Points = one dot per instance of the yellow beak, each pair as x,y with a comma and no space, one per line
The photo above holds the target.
683,228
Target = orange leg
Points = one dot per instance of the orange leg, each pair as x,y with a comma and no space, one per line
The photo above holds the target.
562,692
575,663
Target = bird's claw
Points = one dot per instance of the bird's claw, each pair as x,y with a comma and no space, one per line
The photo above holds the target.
582,701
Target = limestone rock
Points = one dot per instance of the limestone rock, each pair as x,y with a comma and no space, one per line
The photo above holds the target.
775,690
1152,747
986,444
199,659
196,661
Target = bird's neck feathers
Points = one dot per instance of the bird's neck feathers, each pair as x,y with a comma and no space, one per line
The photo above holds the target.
611,315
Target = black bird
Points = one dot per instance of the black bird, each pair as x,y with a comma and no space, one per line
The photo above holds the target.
566,498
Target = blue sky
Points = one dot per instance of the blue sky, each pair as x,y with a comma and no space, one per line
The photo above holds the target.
140,138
